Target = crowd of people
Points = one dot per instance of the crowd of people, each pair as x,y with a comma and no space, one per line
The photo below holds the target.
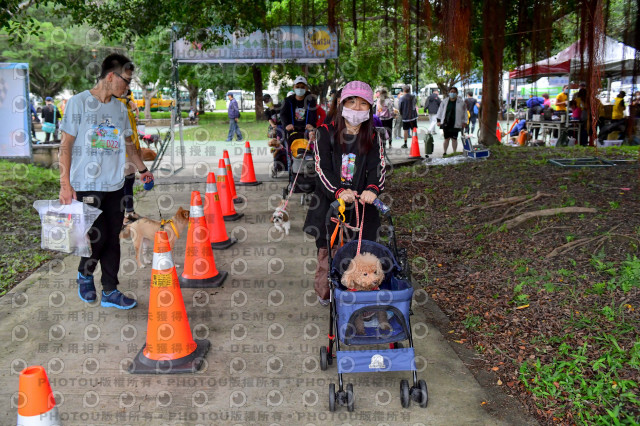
578,109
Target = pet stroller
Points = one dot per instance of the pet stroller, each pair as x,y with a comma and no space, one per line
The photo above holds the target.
393,297
278,149
301,165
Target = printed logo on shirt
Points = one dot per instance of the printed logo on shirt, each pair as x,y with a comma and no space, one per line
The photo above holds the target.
300,114
105,136
348,167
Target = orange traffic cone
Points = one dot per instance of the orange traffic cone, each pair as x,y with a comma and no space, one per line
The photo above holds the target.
36,404
232,183
213,214
248,176
170,347
199,264
228,210
499,133
415,148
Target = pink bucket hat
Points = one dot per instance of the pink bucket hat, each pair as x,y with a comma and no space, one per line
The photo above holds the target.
357,88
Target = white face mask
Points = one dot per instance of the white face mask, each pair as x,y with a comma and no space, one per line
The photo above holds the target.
300,92
354,117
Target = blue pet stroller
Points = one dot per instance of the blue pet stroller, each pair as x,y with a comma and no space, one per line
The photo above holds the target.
393,298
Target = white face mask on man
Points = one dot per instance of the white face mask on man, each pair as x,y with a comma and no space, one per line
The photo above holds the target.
300,92
354,117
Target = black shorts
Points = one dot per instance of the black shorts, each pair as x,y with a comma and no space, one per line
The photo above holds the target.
450,133
409,125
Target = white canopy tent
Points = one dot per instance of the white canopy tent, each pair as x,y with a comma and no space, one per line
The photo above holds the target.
618,61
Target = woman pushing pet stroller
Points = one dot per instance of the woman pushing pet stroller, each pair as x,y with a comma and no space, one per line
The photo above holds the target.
349,161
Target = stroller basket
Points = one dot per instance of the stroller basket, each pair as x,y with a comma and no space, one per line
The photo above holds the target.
392,300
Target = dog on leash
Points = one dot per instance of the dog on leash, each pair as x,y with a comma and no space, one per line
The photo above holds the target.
280,219
142,232
151,140
365,273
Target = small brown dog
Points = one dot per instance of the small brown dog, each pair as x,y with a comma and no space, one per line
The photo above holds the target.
143,231
148,154
365,274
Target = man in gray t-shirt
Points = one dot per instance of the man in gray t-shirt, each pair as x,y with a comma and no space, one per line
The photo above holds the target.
96,142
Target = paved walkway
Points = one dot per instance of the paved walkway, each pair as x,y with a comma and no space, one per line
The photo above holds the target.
264,325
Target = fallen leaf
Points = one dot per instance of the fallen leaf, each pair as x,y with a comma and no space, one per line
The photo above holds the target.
499,382
483,403
495,368
557,385
523,306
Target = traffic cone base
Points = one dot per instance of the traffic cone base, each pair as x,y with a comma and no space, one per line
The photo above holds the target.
222,245
215,281
256,183
238,200
187,364
233,217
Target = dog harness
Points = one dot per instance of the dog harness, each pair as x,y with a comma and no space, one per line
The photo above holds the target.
170,222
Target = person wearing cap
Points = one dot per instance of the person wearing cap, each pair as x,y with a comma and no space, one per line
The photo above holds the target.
299,110
234,114
50,111
350,165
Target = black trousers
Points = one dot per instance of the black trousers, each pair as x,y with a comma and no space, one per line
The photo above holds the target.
129,180
104,236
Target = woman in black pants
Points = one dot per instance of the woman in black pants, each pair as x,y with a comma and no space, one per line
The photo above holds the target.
349,162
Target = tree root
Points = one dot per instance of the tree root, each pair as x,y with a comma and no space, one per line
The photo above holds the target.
513,223
505,215
498,203
599,240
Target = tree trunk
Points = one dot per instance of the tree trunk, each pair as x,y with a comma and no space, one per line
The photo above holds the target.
193,96
257,85
494,18
147,95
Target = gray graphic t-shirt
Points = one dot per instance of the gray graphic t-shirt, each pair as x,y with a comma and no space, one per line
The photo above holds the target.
100,129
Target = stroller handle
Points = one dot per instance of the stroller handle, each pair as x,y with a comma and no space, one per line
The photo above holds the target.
382,208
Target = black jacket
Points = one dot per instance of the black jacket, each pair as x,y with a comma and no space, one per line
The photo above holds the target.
287,112
433,104
47,113
369,175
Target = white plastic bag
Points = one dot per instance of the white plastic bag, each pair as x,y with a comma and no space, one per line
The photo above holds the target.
65,227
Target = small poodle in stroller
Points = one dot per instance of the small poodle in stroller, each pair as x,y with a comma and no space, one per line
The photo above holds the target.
370,305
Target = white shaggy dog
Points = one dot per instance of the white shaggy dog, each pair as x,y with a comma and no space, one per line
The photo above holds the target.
280,218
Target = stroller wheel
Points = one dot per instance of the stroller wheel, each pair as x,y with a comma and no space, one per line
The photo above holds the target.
323,358
350,398
332,397
405,400
422,394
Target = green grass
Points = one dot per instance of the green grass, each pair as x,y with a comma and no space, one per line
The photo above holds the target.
20,251
214,126
585,386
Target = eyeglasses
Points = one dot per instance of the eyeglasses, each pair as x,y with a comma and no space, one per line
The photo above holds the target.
126,80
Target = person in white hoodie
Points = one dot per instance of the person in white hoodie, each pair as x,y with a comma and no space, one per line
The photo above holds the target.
452,117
